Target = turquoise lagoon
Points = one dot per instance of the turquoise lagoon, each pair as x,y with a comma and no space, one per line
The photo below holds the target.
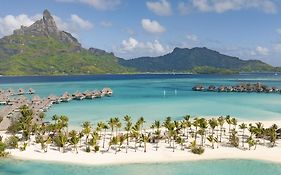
155,96
215,167
143,95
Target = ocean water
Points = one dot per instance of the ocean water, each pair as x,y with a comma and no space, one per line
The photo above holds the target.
155,96
216,167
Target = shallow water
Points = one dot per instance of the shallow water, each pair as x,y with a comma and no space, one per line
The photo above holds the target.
215,167
143,95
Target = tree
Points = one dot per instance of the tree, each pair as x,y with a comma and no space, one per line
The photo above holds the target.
61,140
229,122
234,139
87,130
212,139
196,125
128,129
74,139
145,138
111,124
141,122
251,142
221,123
243,126
135,134
114,141
3,147
12,142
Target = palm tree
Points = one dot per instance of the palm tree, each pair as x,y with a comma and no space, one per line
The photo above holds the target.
113,141
180,141
87,130
111,124
145,138
272,134
221,123
118,125
212,139
105,127
260,131
251,142
234,122
74,139
196,125
55,118
187,124
61,140
128,129
243,126
213,124
229,122
203,125
121,140
135,134
141,122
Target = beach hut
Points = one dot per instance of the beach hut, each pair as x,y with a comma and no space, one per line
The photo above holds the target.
89,95
212,88
107,92
31,91
78,96
97,93
20,91
65,97
10,91
54,99
36,99
198,88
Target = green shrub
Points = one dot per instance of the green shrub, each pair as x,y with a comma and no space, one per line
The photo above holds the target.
197,150
12,142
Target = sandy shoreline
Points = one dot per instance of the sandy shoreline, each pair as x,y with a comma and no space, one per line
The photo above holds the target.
164,154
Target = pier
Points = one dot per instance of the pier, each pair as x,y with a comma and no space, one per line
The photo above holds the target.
13,101
244,87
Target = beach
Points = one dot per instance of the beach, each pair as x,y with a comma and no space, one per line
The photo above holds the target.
163,154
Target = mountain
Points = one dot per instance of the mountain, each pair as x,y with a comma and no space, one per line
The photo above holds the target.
42,49
197,60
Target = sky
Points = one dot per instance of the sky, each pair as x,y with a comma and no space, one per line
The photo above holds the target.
248,29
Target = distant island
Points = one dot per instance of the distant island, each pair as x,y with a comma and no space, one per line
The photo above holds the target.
42,49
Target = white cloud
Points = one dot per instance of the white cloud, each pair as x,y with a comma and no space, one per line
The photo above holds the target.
260,51
184,8
220,6
81,23
133,47
106,24
98,4
161,8
277,47
10,23
192,38
152,26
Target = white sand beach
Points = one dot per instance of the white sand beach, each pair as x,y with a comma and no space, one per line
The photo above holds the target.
163,154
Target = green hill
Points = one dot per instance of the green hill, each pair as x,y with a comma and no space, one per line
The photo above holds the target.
41,49
197,60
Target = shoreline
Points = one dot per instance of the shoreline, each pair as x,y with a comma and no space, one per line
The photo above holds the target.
163,155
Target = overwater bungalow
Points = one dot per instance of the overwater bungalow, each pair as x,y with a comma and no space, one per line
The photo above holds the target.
20,91
31,91
198,88
97,93
89,95
36,99
11,91
78,96
54,99
107,92
65,97
212,88
222,89
275,89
